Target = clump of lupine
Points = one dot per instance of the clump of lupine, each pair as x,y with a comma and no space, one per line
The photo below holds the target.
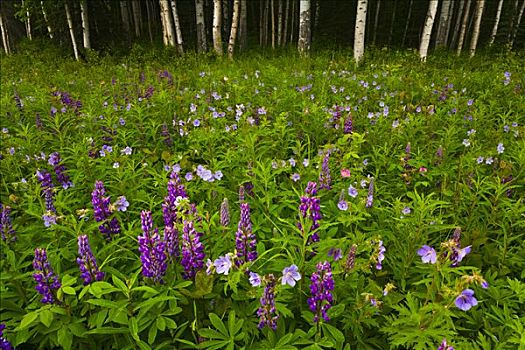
310,209
325,180
55,161
170,208
267,312
321,287
46,183
87,263
6,224
152,250
192,250
348,127
47,280
245,240
102,212
370,195
225,213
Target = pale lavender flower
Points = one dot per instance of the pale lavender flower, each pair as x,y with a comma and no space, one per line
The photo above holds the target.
255,279
500,148
223,264
290,275
466,300
489,160
295,177
406,210
121,204
352,191
335,253
427,254
127,151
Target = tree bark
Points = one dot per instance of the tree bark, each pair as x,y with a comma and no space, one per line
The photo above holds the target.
27,22
517,26
176,22
376,20
217,17
49,31
226,25
360,27
243,26
272,5
393,21
137,17
235,24
85,23
5,38
513,15
407,24
150,20
464,23
475,33
427,30
304,27
280,23
292,25
71,30
125,16
202,45
455,34
167,22
496,23
285,24
443,23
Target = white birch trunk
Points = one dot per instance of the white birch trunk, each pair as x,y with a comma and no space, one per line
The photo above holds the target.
517,25
477,24
360,27
5,39
137,17
71,30
464,23
443,23
167,22
235,25
407,24
427,30
304,26
376,20
202,45
28,23
496,23
280,23
85,24
216,31
125,15
49,31
243,25
511,22
285,24
178,31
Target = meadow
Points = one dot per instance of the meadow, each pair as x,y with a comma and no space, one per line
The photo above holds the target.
274,202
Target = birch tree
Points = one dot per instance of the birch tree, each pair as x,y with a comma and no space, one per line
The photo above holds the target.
457,25
71,30
272,5
477,23
427,29
235,25
44,13
464,23
280,23
167,23
137,17
360,26
5,37
27,22
202,45
216,30
304,26
444,20
517,24
496,23
85,23
176,22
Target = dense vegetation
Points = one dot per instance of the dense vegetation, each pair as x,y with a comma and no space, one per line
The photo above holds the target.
370,207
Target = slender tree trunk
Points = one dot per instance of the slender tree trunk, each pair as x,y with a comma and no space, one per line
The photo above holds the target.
5,39
217,17
407,24
280,23
449,22
427,31
376,21
176,22
71,30
168,21
517,26
125,16
455,34
226,25
496,23
85,23
304,26
475,33
202,45
266,21
285,24
443,23
235,24
137,17
243,25
360,27
49,31
150,20
390,35
27,22
514,13
464,23
292,24
273,23
261,25
316,18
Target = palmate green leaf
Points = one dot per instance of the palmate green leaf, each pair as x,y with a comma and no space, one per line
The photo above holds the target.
218,324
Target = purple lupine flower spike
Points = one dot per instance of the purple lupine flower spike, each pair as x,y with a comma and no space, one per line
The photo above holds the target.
380,255
152,250
46,183
102,212
267,312
47,281
87,262
321,287
192,250
325,179
55,161
370,196
456,253
225,213
350,259
241,193
6,224
310,208
348,127
245,241
176,190
38,122
4,343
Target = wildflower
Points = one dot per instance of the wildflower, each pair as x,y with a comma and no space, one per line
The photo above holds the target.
321,286
335,253
245,241
466,142
47,281
388,288
427,254
121,204
116,165
46,183
290,275
489,160
480,160
102,213
310,208
466,300
500,148
267,312
87,263
324,176
370,196
6,224
49,219
352,191
292,162
295,177
223,264
444,345
196,123
345,173
255,279
380,255
218,175
127,151
306,162
4,343
152,249
189,176
342,205
406,210
55,160
176,192
348,124
192,250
